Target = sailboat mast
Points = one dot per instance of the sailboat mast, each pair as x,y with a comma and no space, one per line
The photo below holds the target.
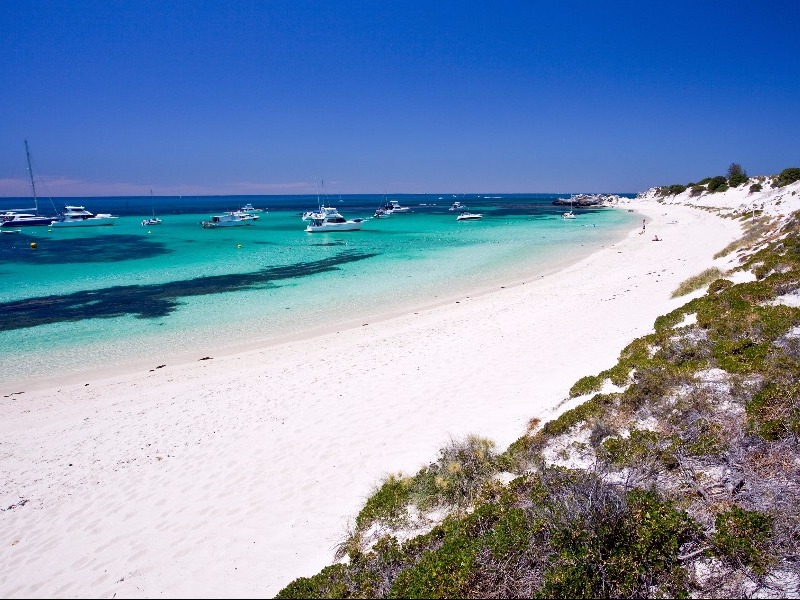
30,172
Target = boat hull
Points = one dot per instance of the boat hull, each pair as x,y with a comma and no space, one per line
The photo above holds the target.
34,222
91,222
331,227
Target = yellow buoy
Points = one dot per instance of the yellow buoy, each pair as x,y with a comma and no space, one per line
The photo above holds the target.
33,245
238,245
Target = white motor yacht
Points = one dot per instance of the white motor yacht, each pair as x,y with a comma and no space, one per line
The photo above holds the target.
231,219
465,216
327,219
394,207
78,216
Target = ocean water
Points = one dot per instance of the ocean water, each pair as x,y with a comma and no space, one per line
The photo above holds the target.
87,300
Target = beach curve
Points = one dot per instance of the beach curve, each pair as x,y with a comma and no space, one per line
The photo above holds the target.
232,476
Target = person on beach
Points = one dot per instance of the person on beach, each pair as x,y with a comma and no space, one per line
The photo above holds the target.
643,224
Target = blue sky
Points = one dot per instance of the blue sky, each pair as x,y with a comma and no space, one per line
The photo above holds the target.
199,97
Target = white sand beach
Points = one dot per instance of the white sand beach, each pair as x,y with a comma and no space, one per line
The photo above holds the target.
232,476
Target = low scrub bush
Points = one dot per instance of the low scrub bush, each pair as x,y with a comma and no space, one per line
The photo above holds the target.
715,183
741,538
787,176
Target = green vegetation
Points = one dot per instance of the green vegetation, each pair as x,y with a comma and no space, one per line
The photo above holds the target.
717,184
689,484
742,536
736,175
553,534
787,176
696,190
676,189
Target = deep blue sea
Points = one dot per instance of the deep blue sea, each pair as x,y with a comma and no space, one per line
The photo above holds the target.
90,299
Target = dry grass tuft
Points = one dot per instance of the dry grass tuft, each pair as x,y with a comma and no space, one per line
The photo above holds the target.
697,281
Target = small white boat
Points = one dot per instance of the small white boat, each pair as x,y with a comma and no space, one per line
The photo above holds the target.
569,214
250,209
382,213
10,230
328,219
226,220
465,216
78,216
154,220
458,206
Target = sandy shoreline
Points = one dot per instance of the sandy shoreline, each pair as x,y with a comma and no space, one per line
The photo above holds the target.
232,476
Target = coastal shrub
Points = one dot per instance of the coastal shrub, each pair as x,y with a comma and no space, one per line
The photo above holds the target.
703,438
627,549
671,319
697,282
455,479
458,475
756,187
651,383
387,505
719,285
579,414
625,451
662,190
586,385
696,190
774,412
328,583
600,432
676,189
787,176
737,180
715,183
683,355
741,538
445,569
742,332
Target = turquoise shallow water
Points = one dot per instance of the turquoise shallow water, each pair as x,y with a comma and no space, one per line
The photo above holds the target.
89,299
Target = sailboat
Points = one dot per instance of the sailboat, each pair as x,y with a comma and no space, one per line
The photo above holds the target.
154,220
570,214
20,217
